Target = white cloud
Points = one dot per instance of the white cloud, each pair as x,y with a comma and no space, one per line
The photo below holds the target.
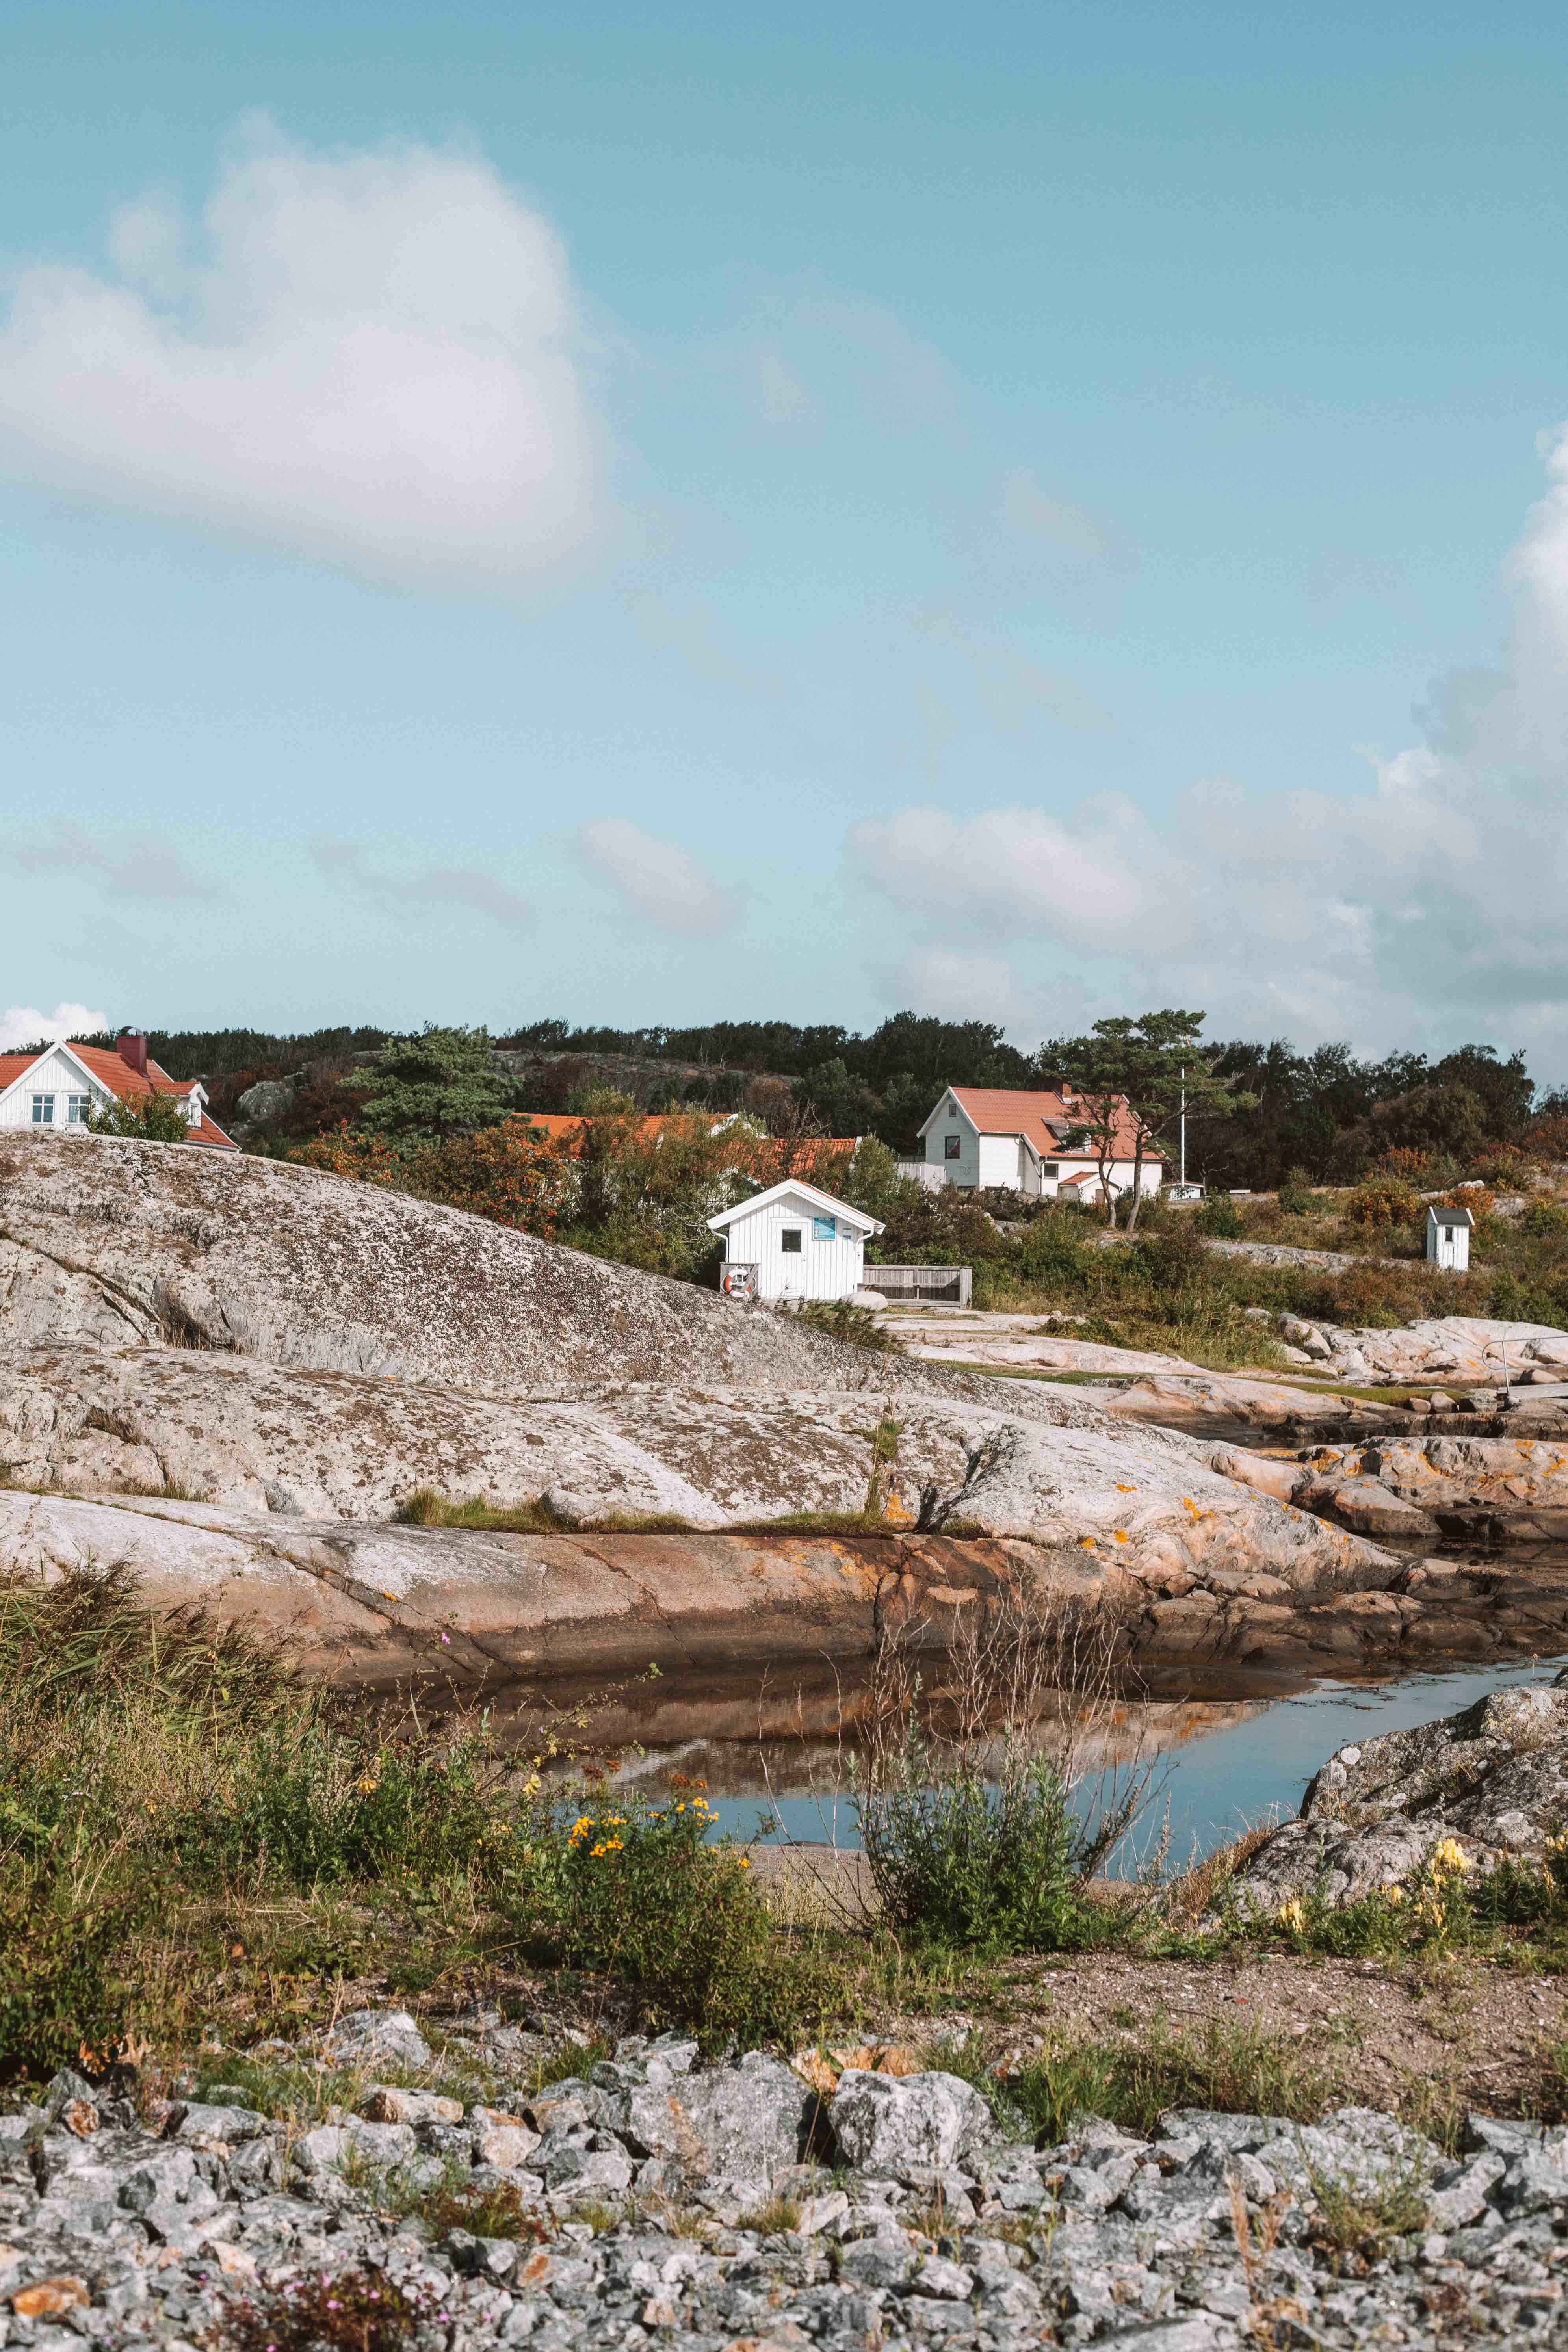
655,878
364,356
24,1025
1084,882
145,866
960,986
345,862
1425,907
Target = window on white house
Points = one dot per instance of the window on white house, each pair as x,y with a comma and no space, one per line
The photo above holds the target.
952,1146
192,1110
78,1110
789,1240
43,1110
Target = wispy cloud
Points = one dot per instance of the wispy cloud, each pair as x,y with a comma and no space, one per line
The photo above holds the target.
24,1025
366,356
691,634
142,866
656,879
1056,523
1016,691
346,865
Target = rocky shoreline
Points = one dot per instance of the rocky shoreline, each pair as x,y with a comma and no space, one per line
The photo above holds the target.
740,2207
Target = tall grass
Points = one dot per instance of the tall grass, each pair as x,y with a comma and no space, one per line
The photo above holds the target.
980,1825
183,1822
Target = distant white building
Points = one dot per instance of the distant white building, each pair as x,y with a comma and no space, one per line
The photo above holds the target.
979,1136
56,1092
794,1242
1449,1237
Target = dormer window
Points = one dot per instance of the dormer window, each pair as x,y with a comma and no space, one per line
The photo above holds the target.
192,1110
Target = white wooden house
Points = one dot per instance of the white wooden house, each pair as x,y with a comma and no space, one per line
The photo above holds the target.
56,1092
980,1136
1449,1237
794,1242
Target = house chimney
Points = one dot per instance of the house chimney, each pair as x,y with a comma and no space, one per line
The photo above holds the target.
132,1046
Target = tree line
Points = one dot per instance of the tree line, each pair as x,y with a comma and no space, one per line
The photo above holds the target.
1257,1110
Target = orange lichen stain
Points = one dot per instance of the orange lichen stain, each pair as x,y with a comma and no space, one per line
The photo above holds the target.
1125,1490
1085,1543
1121,1535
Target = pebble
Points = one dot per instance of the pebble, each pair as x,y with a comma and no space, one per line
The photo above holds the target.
965,2235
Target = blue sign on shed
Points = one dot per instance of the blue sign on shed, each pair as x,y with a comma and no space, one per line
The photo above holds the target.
824,1229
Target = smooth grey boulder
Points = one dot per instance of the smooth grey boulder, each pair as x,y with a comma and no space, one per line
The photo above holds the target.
903,2126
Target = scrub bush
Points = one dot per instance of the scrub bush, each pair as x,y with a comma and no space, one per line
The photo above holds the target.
639,1889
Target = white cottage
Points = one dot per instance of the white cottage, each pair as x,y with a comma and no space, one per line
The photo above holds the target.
1449,1237
794,1242
1010,1137
55,1092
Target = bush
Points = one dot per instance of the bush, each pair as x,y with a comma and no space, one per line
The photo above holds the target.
638,1888
1380,1201
1219,1218
976,1842
149,1119
1544,1219
961,1863
1296,1198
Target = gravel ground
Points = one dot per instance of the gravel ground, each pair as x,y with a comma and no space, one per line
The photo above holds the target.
733,2207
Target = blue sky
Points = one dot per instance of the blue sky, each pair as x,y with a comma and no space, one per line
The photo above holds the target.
644,514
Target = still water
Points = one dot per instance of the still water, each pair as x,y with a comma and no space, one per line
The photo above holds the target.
1218,1768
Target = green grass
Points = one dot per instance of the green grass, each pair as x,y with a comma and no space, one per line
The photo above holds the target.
1237,2069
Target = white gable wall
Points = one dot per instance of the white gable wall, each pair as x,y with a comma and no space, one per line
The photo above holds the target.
822,1269
949,1121
57,1077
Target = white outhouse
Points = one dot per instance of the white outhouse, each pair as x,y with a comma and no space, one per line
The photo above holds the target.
794,1242
1449,1237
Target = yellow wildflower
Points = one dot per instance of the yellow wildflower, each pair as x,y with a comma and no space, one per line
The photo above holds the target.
582,1825
1395,1894
1293,1917
1451,1856
741,1861
367,1787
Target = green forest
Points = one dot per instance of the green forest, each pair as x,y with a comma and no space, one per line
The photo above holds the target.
1322,1111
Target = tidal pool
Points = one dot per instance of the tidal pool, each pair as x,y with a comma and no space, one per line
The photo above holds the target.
1219,1766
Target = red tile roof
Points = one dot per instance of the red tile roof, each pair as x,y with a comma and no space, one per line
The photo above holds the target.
1042,1120
120,1079
768,1157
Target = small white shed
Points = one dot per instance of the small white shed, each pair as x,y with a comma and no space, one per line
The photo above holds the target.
794,1242
1449,1237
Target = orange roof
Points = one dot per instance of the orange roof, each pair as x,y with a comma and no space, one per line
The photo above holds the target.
561,1125
769,1156
1042,1120
120,1079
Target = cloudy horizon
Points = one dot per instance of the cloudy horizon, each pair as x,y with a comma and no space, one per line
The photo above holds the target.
530,529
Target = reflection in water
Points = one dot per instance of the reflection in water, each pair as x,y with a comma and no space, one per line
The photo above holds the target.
1222,1765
